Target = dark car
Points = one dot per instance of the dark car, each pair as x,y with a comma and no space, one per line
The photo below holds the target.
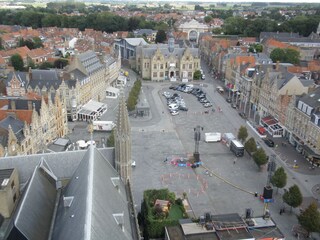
234,105
182,108
229,100
243,115
269,142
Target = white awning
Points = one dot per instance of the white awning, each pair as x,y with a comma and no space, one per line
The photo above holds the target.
92,110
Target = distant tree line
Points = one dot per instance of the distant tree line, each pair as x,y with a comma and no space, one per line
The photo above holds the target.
101,21
303,25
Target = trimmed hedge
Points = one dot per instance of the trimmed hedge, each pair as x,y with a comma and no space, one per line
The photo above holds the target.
134,95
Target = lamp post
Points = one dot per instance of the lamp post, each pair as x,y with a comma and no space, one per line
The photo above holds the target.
197,137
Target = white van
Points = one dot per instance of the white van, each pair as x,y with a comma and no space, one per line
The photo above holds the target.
220,89
173,106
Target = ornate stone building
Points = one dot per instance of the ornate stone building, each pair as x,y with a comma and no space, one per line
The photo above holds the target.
87,78
122,136
167,61
29,125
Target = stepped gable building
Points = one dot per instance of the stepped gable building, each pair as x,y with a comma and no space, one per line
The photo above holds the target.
28,125
167,61
40,82
65,194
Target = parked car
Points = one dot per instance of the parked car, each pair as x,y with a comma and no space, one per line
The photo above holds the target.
174,112
229,100
269,142
220,89
183,108
203,100
208,104
243,115
234,105
166,94
203,77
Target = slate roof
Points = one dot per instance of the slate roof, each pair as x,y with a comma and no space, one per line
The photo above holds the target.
312,99
16,125
44,78
23,104
90,61
136,41
69,160
143,31
22,76
278,35
96,199
35,210
78,75
150,51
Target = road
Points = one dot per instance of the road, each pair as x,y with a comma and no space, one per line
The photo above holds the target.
230,187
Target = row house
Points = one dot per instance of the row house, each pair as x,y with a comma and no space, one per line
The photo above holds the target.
28,125
39,55
236,75
87,78
303,124
272,90
22,51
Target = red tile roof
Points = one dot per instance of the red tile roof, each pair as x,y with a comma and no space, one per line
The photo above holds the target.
22,115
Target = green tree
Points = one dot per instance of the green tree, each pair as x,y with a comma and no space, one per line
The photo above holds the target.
293,197
161,36
260,157
198,8
310,218
242,133
207,19
197,75
287,55
37,42
17,62
250,145
279,178
277,54
110,140
256,48
46,65
292,56
60,63
1,44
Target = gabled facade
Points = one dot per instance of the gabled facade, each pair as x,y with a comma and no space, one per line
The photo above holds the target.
48,122
303,124
167,62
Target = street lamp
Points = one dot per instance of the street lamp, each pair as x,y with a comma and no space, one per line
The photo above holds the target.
197,137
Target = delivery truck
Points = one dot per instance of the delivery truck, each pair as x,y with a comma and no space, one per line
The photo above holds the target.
212,137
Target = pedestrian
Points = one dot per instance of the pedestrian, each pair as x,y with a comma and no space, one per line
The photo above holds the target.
234,161
280,211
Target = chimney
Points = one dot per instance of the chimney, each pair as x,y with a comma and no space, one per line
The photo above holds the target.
13,105
30,74
29,105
